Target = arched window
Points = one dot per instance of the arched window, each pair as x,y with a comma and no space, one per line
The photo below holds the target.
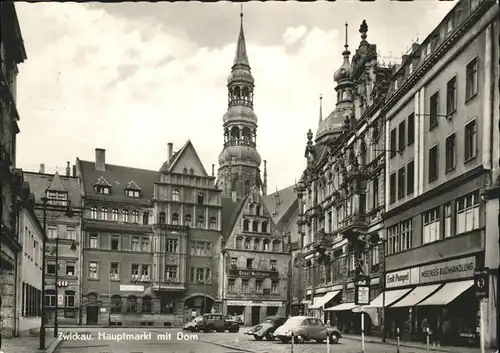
248,244
255,226
239,243
264,227
175,218
131,304
200,221
276,246
147,304
246,188
116,304
93,212
200,198
257,210
175,195
235,133
363,153
187,220
114,215
104,214
267,246
69,298
125,216
135,216
145,218
50,297
256,244
246,225
250,208
161,218
213,223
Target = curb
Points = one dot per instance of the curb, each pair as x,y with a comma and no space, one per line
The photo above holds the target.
431,349
228,347
52,346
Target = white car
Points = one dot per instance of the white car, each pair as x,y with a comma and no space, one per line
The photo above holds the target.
305,328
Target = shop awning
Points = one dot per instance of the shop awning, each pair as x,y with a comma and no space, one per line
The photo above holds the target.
448,293
391,296
342,307
321,301
416,296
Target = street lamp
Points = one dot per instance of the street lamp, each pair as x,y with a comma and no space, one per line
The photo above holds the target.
289,275
68,212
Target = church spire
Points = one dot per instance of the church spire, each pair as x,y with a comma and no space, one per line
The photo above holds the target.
320,108
241,57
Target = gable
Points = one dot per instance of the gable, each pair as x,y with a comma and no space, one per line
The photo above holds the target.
186,160
252,204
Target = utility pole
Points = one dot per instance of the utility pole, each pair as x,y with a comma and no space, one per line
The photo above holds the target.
290,277
44,248
56,324
498,270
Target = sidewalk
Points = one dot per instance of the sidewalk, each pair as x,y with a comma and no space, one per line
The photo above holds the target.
419,345
29,344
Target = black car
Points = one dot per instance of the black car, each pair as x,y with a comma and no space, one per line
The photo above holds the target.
210,323
266,328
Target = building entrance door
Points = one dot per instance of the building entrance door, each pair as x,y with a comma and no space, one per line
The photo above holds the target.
92,315
255,315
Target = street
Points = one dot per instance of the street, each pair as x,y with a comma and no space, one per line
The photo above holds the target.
136,340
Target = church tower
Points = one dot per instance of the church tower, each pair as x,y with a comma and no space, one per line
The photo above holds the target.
239,161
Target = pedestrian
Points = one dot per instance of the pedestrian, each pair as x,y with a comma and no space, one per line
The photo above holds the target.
425,328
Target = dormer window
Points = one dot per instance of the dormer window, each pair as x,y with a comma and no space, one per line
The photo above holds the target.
428,49
449,26
103,190
102,186
133,193
410,68
58,198
396,85
133,190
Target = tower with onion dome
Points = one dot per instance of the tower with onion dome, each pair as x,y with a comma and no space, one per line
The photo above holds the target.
239,161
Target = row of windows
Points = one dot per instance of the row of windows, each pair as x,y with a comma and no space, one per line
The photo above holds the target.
137,244
53,232
130,304
252,286
257,244
200,220
104,214
106,190
402,182
271,265
69,268
31,247
69,298
31,301
255,226
450,219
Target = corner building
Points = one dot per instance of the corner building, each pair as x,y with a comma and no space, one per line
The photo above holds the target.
151,241
340,193
440,216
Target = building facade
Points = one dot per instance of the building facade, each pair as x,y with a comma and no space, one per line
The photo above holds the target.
341,191
151,241
256,264
29,267
12,53
441,221
58,197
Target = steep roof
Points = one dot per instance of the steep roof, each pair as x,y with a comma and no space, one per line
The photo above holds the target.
241,57
186,156
56,184
119,178
39,183
230,211
281,203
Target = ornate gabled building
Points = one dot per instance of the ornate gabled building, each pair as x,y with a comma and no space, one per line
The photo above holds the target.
239,161
256,264
12,53
151,240
339,192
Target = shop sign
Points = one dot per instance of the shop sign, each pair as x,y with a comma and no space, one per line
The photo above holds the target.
398,279
250,273
362,295
449,270
131,288
481,282
252,303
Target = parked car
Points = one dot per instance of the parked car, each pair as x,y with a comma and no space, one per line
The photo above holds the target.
236,319
212,322
266,328
305,328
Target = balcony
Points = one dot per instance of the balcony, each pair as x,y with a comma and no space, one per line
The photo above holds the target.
354,224
170,285
240,142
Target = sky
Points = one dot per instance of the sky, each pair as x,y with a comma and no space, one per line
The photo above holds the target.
132,77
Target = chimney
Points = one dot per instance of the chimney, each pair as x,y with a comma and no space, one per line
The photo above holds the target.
264,187
100,159
213,170
233,196
74,170
68,169
42,168
170,151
